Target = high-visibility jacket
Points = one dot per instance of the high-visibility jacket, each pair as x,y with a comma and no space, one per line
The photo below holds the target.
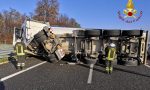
20,49
110,53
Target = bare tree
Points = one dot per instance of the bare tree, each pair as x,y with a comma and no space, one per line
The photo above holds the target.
64,20
47,10
8,20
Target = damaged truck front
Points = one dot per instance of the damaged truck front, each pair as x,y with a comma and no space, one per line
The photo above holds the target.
39,40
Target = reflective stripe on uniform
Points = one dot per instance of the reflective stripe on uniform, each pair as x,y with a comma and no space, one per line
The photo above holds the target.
23,64
111,54
107,68
19,50
111,69
19,64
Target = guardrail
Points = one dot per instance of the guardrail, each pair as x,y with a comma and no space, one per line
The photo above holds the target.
5,52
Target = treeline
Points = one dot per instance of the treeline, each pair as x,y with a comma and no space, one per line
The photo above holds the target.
8,20
46,10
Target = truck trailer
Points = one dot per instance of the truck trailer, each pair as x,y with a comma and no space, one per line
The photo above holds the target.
82,44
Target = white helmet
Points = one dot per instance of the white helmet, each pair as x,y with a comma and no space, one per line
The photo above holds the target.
112,45
18,40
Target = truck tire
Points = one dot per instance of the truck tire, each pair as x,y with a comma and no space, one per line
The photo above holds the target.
80,33
39,34
34,43
91,60
136,33
131,63
52,58
112,33
93,33
41,39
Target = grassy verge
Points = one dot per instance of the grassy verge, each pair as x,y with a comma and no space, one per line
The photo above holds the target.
4,60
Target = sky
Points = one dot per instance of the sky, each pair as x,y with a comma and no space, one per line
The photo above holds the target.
100,14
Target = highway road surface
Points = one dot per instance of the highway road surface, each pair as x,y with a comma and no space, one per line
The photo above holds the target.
42,75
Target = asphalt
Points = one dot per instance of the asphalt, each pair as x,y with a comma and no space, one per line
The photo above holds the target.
61,76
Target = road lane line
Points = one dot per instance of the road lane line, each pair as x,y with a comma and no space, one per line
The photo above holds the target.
147,66
22,71
90,74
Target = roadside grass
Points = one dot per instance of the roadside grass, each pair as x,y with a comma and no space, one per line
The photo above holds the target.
4,59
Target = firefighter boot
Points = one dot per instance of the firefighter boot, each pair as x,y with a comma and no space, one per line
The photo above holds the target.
22,65
107,70
110,70
18,65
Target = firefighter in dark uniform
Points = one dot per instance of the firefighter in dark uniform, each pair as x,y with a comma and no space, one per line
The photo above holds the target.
110,57
20,51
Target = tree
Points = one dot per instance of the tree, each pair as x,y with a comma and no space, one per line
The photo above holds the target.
73,23
12,18
65,21
47,10
1,22
8,20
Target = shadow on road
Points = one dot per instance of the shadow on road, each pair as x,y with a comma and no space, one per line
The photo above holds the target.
127,71
86,66
13,61
2,86
132,72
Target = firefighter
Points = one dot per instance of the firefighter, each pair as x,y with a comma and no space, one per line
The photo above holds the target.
20,51
110,57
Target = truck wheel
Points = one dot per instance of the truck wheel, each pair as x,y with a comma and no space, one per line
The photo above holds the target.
93,33
91,60
131,63
137,33
39,34
41,39
52,58
34,43
80,33
111,33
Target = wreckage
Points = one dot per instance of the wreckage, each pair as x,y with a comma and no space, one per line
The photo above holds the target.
39,40
80,44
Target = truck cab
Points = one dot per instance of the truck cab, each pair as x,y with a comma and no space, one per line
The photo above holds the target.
39,40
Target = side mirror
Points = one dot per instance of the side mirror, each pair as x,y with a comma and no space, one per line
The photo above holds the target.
18,33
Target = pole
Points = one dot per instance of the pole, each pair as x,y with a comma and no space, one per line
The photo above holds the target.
146,47
45,16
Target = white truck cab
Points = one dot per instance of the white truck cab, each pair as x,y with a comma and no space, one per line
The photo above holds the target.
36,36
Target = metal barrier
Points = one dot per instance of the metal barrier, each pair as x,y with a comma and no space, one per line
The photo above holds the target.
5,53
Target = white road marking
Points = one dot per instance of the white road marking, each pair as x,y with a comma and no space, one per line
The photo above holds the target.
17,73
71,63
90,74
147,66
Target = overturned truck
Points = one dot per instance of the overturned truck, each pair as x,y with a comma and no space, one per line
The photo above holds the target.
89,46
39,40
86,45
